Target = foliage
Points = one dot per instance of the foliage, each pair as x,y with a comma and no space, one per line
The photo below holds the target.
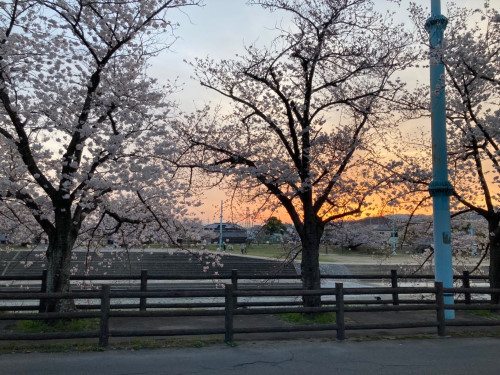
472,63
306,112
274,225
353,234
79,118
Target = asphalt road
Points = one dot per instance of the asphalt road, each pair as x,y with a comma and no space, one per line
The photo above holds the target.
432,356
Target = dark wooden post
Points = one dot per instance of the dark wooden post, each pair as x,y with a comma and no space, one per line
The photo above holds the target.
43,286
339,317
105,310
43,289
466,284
234,282
229,310
144,288
394,284
441,322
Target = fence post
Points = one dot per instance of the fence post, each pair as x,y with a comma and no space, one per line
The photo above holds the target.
105,310
229,310
441,322
339,317
466,284
144,288
43,289
394,284
234,282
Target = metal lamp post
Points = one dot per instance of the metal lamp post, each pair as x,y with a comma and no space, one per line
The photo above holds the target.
440,188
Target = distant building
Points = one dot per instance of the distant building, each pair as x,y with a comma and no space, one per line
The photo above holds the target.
231,233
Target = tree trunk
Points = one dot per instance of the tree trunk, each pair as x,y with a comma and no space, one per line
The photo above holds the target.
494,273
59,253
309,265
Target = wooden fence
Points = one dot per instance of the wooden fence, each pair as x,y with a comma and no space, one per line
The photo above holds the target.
235,278
228,302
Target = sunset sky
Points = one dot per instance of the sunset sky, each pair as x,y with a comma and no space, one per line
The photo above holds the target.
220,30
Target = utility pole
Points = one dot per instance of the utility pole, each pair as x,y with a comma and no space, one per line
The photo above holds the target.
394,232
472,234
440,188
220,229
247,220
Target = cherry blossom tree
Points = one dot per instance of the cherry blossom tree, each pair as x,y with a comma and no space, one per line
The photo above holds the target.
307,110
351,235
473,66
472,62
79,115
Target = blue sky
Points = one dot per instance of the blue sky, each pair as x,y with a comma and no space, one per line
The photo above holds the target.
221,29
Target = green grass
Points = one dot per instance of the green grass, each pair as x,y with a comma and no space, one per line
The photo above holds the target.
74,325
135,344
298,318
485,314
263,250
326,254
49,348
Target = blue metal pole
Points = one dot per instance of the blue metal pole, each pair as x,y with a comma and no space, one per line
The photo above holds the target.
440,188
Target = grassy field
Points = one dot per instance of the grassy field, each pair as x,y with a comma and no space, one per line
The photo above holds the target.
327,253
263,250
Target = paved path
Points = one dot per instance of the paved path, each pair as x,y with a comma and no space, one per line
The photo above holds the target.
437,356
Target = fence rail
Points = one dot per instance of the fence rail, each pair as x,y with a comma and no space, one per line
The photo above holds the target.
228,302
241,276
236,278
